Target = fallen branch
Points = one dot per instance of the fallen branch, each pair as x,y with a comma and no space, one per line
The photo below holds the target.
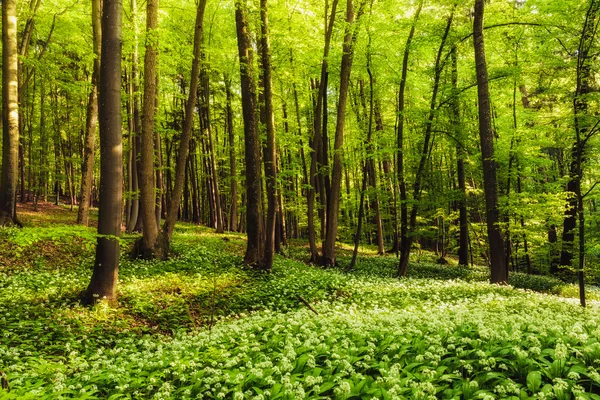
307,304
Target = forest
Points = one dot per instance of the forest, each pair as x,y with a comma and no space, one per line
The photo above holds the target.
286,199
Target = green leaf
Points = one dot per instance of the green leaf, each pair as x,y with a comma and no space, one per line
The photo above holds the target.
534,381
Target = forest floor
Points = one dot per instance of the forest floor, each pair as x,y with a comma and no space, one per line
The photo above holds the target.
202,326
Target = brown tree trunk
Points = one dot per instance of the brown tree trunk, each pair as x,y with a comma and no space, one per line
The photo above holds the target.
271,148
254,247
486,135
87,167
184,145
404,239
10,115
106,267
232,160
463,238
148,247
328,256
317,140
417,185
206,126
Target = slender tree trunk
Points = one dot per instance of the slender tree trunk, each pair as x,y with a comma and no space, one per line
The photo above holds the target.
253,254
232,160
417,185
184,144
10,115
405,242
371,163
210,154
498,263
148,247
317,140
463,239
328,257
87,167
270,149
158,166
106,267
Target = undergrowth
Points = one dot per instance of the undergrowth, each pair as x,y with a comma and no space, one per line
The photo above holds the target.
202,326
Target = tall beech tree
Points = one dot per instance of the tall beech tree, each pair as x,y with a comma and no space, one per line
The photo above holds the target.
317,140
186,134
463,222
233,213
418,183
254,225
10,115
486,137
405,242
328,256
271,147
87,167
148,247
103,283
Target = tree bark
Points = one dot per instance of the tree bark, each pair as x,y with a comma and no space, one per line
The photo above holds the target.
206,126
186,134
253,254
463,236
233,214
404,239
87,167
271,147
499,268
407,240
148,247
328,257
10,115
106,267
317,140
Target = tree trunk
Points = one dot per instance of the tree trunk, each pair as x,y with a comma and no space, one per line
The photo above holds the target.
463,223
232,160
317,140
87,167
404,239
106,267
253,254
184,144
417,185
328,257
210,154
486,135
271,148
149,246
10,115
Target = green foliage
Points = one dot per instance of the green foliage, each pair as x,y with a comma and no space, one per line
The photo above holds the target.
200,325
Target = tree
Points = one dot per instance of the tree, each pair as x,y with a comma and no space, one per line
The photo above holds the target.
328,257
233,223
148,247
253,255
184,144
87,167
106,266
407,240
463,241
404,239
271,147
10,115
584,130
317,140
486,136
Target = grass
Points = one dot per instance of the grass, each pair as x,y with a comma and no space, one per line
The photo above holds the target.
202,326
